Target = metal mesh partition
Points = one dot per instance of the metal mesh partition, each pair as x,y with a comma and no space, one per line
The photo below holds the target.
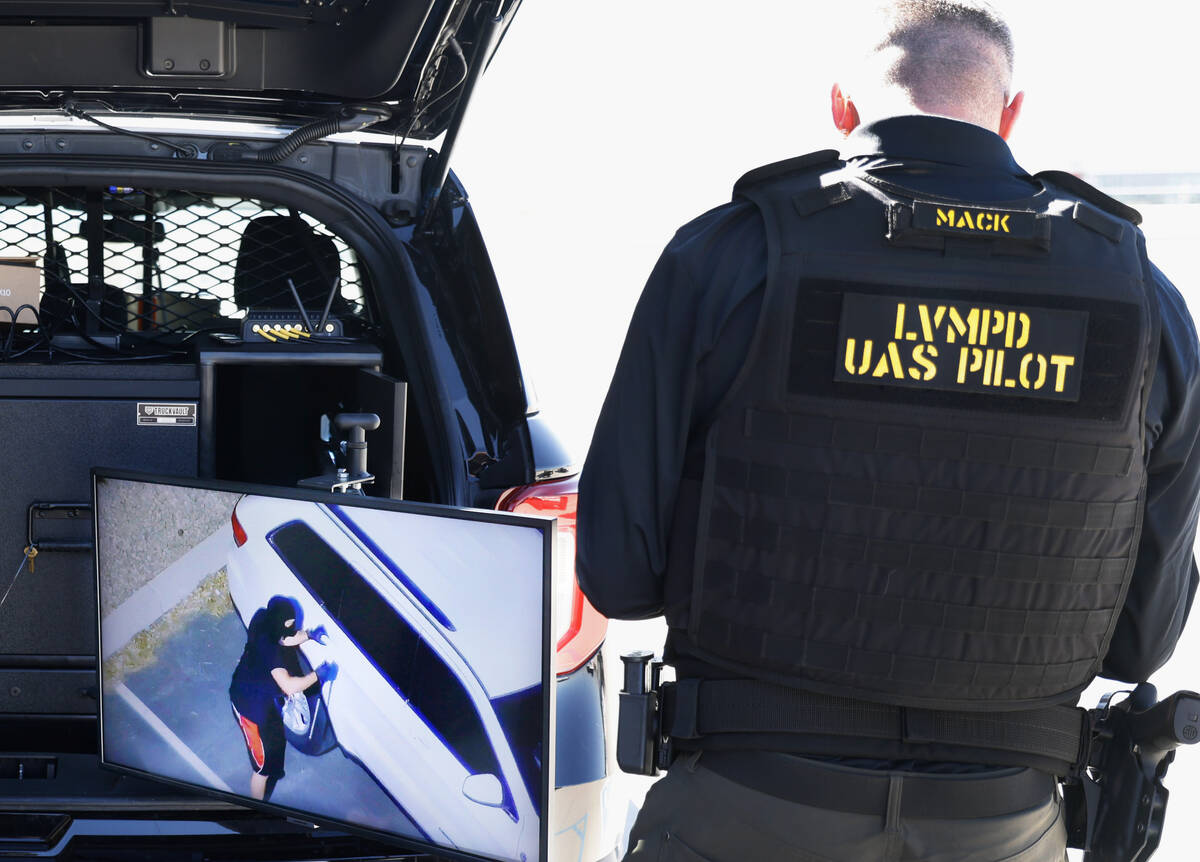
165,264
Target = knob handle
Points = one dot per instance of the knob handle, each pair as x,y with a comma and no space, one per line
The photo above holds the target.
350,421
358,424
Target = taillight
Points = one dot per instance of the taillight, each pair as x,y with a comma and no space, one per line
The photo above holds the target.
579,627
239,533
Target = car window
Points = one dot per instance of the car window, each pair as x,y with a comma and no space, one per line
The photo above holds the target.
413,668
322,568
520,715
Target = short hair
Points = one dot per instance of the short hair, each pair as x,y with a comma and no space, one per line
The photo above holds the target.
915,24
938,51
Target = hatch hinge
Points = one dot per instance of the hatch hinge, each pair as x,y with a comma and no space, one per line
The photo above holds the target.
439,169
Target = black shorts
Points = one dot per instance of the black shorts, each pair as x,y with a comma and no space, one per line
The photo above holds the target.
264,742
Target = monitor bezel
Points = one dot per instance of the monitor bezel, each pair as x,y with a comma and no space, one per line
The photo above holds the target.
547,526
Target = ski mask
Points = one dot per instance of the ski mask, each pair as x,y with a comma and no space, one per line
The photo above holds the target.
279,612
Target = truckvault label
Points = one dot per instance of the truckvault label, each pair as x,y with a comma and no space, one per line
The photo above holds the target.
961,346
166,414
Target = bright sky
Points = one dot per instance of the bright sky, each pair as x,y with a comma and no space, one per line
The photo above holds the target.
602,127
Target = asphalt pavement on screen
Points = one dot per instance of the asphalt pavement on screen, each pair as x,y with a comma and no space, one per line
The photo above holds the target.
186,690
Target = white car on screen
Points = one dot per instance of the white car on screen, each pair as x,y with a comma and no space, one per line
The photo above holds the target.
438,690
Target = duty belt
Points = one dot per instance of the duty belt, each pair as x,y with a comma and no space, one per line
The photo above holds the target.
994,793
1054,738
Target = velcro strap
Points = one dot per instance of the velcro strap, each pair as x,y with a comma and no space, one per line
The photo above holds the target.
695,708
1100,222
814,200
967,231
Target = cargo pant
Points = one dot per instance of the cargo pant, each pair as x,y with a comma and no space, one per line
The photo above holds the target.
695,814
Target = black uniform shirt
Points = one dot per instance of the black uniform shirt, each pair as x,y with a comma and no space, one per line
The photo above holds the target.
252,689
690,335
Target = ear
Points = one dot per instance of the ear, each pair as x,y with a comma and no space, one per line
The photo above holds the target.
1008,116
845,115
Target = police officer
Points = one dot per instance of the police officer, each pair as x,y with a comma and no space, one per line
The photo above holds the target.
902,442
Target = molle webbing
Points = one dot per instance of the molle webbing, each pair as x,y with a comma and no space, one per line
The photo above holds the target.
951,523
982,447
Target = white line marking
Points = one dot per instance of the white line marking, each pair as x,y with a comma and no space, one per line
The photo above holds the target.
170,738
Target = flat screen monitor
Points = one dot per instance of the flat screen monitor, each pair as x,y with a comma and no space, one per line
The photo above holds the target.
368,664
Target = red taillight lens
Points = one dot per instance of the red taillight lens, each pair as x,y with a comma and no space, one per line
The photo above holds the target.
579,627
239,534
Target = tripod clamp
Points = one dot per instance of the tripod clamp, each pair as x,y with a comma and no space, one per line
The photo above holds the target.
349,480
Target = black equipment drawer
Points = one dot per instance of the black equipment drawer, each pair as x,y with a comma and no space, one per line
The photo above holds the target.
50,444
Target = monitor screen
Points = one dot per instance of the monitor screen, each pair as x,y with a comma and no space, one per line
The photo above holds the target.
369,664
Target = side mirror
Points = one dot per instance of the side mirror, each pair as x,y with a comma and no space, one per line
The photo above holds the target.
484,788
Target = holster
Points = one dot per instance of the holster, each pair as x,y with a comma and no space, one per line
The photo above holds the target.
1116,807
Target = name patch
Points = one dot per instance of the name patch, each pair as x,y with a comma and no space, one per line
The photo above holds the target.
973,221
961,346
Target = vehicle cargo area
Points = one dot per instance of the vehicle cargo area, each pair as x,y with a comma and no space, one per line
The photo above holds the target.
180,333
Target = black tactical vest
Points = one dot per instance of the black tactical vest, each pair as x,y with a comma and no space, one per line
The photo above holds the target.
926,485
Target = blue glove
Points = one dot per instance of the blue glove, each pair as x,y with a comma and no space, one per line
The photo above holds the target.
319,635
327,672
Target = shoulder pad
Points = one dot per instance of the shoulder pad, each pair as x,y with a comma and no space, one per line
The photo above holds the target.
1091,194
788,166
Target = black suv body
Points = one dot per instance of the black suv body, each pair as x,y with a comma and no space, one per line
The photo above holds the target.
187,178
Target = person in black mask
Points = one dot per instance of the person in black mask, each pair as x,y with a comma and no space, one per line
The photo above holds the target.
268,671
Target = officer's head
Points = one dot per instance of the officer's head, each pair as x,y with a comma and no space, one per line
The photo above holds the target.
950,58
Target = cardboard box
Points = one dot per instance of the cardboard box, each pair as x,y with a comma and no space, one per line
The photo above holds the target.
20,284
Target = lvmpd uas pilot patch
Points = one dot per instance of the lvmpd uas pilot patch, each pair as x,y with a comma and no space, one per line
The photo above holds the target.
961,346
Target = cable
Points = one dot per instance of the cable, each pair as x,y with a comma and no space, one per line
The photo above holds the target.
12,330
351,118
453,46
295,140
41,336
183,151
80,301
228,325
24,562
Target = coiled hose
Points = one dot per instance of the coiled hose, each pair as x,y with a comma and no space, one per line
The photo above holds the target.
352,120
